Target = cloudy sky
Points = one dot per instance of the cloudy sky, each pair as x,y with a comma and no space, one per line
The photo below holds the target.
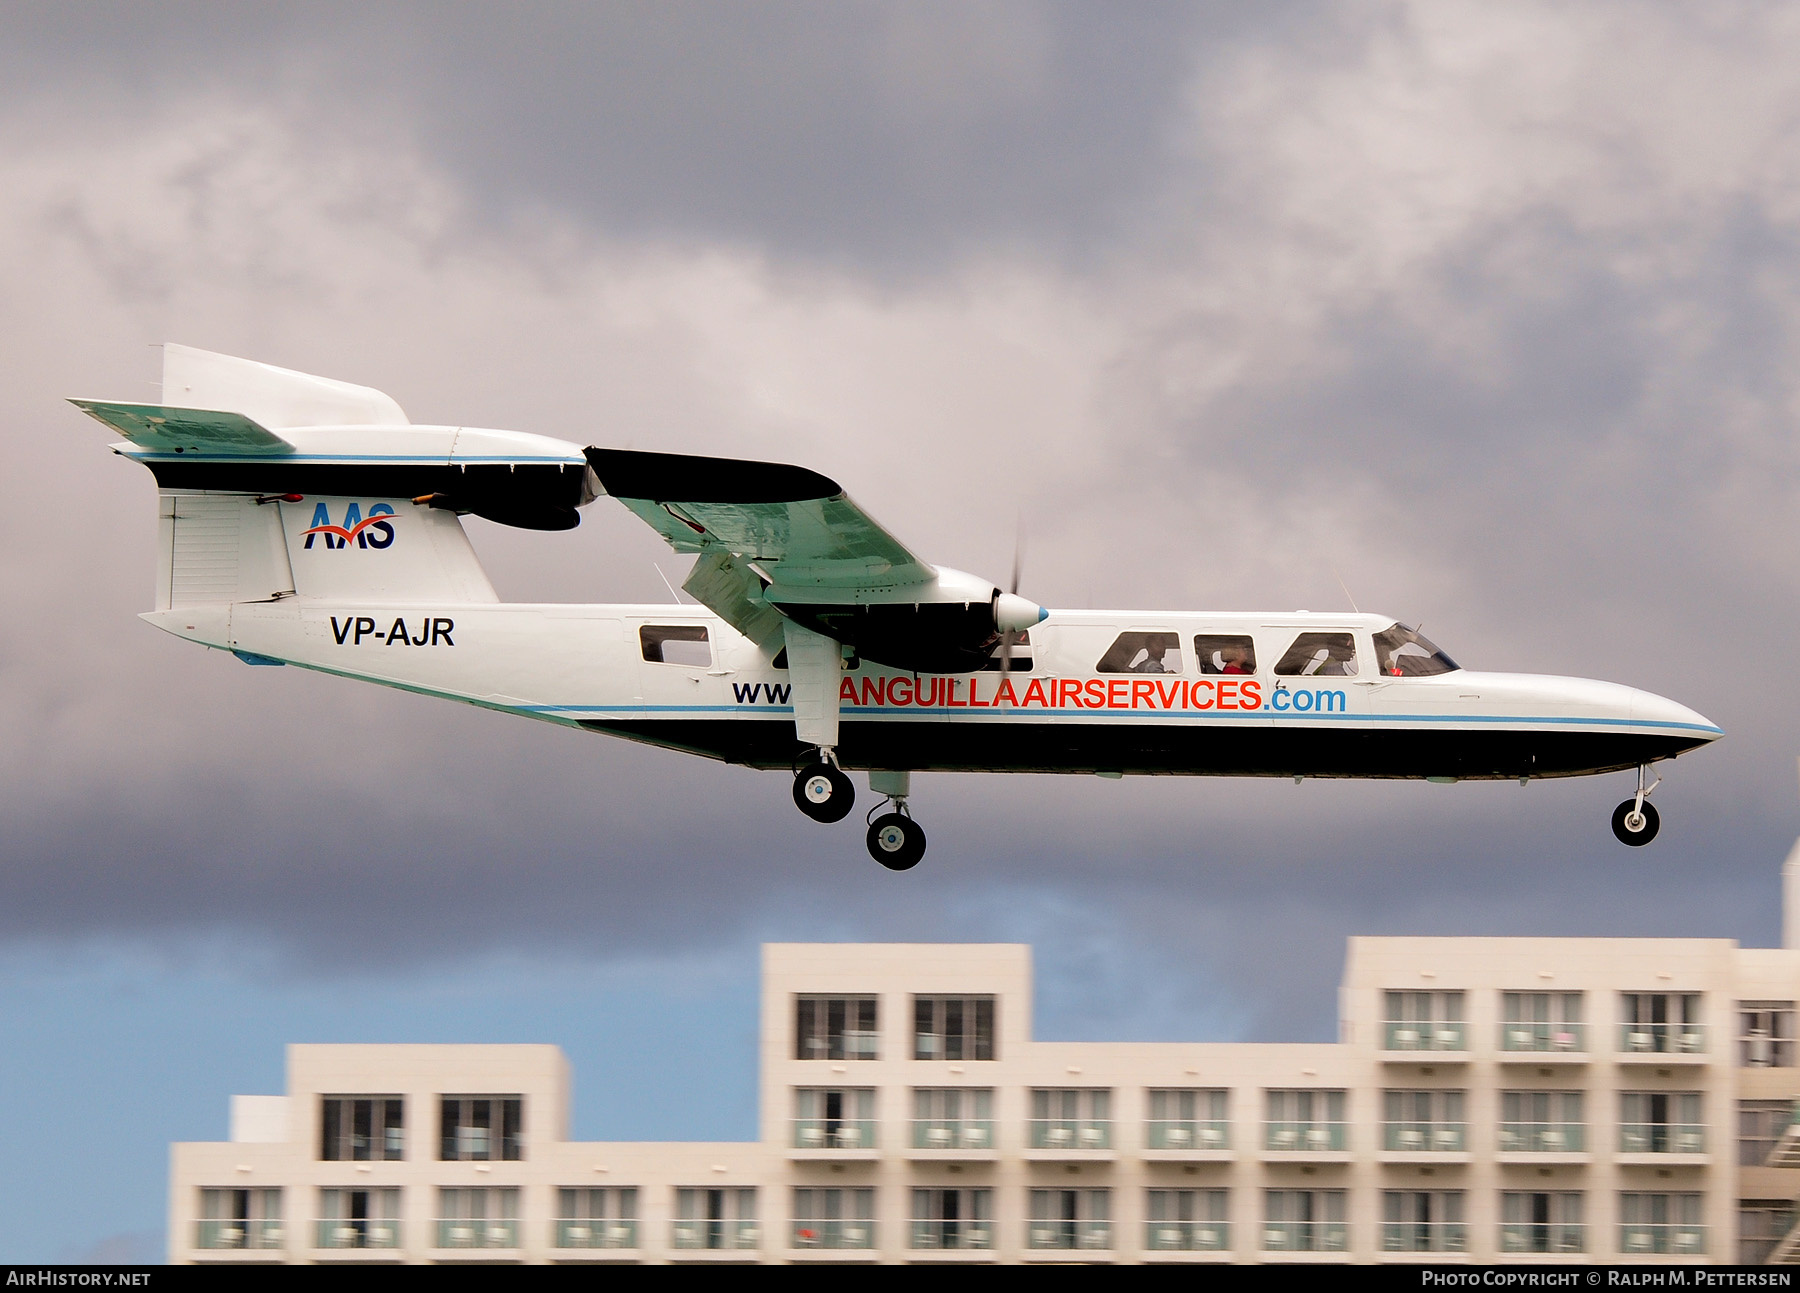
1491,311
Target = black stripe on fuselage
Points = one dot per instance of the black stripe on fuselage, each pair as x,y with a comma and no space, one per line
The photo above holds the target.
1405,753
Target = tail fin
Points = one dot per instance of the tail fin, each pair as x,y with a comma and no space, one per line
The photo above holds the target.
280,484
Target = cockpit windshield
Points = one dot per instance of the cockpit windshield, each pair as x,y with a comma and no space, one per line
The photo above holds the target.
1401,652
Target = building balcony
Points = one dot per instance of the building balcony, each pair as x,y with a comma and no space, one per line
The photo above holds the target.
1661,1139
1052,1137
1187,1236
952,1236
1062,1236
477,1232
1662,1043
1425,1138
1187,1138
953,1138
1637,1240
1530,1237
1306,1236
1445,1040
1300,1140
240,1235
689,1234
1522,1043
856,1235
1543,1138
596,1233
1424,1237
340,1234
831,1137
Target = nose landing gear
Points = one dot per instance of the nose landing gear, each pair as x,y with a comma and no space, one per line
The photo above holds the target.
1636,821
822,791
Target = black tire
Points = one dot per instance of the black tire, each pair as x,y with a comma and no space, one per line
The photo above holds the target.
1644,833
823,793
896,841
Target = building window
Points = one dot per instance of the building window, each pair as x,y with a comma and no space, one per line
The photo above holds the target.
715,1218
359,1218
1306,1120
1187,1221
1542,1022
1542,1122
1304,1221
357,1128
1661,1023
1188,1119
683,644
834,1028
953,1118
478,1218
1071,1219
1660,1122
1416,1121
953,1219
476,1128
833,1218
1762,1224
1760,1124
1074,1118
1424,1021
834,1118
597,1218
953,1028
1423,1221
1660,1223
1541,1222
240,1219
1766,1034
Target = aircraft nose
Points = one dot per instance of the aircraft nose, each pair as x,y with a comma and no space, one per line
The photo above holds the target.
1649,707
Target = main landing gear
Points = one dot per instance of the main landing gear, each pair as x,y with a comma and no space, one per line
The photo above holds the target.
1635,822
824,793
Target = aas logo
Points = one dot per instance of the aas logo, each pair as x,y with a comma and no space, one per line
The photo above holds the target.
372,531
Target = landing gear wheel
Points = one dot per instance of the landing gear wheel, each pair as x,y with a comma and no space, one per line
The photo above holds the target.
823,793
1634,826
896,841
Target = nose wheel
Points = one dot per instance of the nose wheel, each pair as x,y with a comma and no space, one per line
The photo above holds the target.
1636,821
823,792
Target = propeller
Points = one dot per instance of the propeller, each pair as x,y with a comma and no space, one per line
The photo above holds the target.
1013,614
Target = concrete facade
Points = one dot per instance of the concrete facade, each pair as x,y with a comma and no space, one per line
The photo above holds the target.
1498,1099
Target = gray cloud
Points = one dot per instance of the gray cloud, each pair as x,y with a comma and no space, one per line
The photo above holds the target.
1223,309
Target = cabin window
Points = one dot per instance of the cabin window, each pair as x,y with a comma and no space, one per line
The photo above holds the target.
676,644
1401,652
1319,655
1021,656
1225,653
1139,652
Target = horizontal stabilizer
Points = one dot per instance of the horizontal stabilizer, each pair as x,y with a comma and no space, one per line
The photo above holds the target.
181,430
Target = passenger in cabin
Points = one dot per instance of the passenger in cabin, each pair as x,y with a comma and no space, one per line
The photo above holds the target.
1225,653
1237,659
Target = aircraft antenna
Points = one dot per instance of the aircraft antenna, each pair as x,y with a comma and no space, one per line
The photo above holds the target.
1346,588
666,584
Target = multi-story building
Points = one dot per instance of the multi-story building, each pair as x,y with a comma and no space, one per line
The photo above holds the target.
1489,1099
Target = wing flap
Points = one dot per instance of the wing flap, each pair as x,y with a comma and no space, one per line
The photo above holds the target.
799,527
179,430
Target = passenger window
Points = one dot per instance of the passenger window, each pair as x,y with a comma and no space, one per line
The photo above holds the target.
1225,653
1021,656
1142,653
676,644
1401,652
1319,655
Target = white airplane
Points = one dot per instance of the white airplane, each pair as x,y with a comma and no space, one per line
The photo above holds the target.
305,521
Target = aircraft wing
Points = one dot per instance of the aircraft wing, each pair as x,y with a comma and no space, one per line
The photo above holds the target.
798,528
163,428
